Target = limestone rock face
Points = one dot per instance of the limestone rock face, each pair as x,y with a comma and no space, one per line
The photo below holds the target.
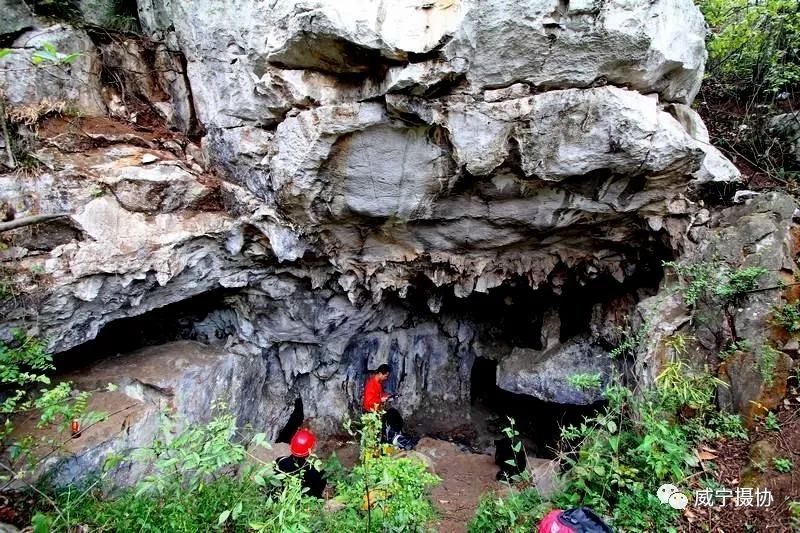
150,382
652,47
757,234
418,183
76,84
16,16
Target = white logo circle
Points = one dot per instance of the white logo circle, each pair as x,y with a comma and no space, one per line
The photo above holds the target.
665,491
678,500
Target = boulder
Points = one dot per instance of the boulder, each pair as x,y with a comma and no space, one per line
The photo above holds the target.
716,168
545,374
149,382
759,472
651,47
75,84
560,134
757,382
16,17
345,38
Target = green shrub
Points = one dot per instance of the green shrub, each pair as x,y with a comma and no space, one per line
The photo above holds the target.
714,281
519,511
728,425
771,422
782,465
387,492
754,43
794,515
585,381
767,362
787,316
199,509
199,482
681,386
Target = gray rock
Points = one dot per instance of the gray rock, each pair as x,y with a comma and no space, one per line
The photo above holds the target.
16,17
786,127
545,374
741,197
76,84
651,47
571,133
343,37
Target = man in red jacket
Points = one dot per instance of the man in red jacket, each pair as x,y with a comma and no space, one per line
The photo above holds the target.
374,397
392,422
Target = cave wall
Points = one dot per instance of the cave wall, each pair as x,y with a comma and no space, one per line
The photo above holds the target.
370,182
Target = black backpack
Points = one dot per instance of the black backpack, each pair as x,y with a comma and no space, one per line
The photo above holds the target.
583,520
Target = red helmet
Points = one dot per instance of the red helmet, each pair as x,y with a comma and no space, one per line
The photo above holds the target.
302,443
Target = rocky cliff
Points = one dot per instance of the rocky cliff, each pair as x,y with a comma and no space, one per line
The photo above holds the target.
351,183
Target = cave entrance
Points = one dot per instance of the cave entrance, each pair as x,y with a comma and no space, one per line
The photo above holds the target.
538,422
294,423
203,318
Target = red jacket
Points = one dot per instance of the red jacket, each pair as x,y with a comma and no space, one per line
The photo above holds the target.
373,394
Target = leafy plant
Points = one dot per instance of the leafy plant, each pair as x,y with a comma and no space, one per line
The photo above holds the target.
631,339
678,343
716,285
767,361
585,381
771,422
519,511
694,279
190,487
49,54
728,425
742,345
787,316
680,386
734,284
794,514
289,511
384,492
782,464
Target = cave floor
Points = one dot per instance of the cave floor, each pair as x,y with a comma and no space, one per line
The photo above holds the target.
465,477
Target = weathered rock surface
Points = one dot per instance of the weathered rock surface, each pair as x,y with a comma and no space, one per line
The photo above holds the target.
16,17
184,379
652,47
76,84
544,374
758,233
419,183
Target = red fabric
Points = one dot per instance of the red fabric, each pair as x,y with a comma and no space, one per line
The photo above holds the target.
373,394
549,523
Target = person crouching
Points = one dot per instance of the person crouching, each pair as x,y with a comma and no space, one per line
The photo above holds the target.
297,464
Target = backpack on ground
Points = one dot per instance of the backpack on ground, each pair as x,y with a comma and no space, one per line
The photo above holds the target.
579,520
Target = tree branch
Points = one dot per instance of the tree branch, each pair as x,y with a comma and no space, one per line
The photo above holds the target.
29,221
